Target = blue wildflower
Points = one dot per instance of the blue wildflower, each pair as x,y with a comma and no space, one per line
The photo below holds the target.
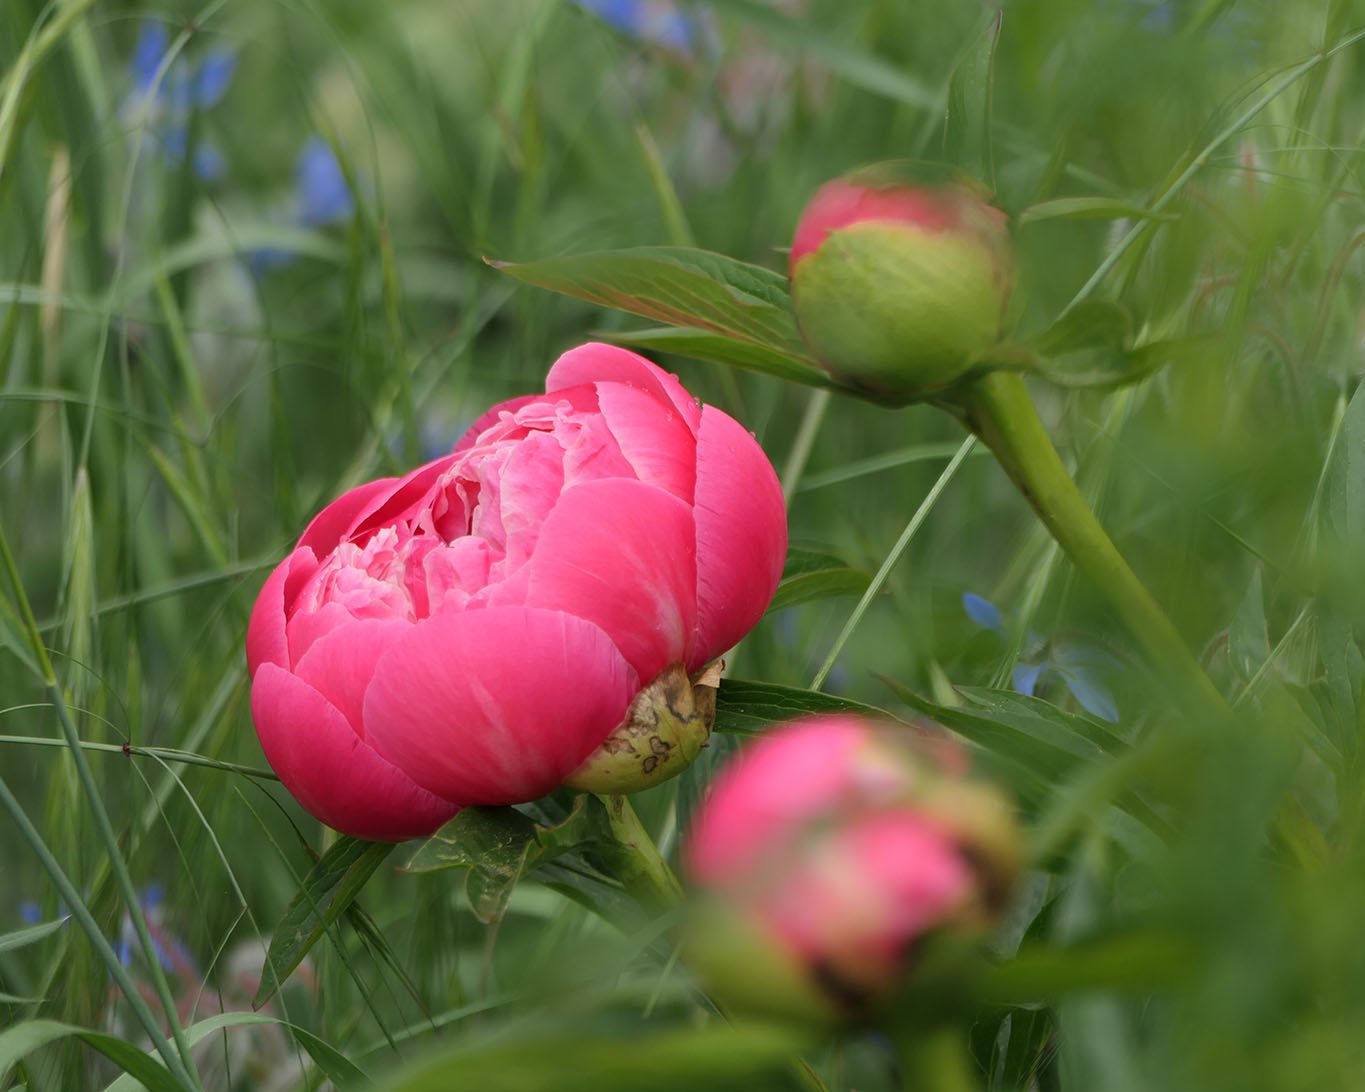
321,192
321,196
168,104
653,22
1067,661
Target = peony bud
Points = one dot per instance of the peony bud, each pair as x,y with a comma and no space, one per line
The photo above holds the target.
525,612
899,289
824,857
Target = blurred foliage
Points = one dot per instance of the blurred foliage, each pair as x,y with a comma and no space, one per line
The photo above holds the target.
192,362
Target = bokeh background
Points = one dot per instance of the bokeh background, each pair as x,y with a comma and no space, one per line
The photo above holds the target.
244,256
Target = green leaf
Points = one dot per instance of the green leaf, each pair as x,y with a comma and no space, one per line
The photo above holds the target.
499,846
327,891
1345,485
18,1042
21,938
811,574
967,129
1089,208
678,286
747,708
494,845
1139,962
746,1058
722,349
857,66
1248,642
1094,324
343,1072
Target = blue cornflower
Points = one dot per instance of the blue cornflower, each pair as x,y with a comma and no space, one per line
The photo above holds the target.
169,103
321,196
1068,661
321,192
654,22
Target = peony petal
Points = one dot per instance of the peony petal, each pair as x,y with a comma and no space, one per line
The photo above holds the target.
741,535
496,706
490,418
340,665
769,792
659,447
335,522
405,500
597,362
333,773
620,554
265,633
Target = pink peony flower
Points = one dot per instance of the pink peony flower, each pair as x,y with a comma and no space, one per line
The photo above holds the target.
826,851
899,289
473,632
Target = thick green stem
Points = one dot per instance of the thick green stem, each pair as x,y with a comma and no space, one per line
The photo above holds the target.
999,410
640,866
936,1060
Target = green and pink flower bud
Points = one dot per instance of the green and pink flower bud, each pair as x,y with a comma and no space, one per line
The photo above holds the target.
826,856
535,609
899,289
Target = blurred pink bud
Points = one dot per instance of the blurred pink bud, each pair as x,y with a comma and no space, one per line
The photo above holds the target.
899,289
473,632
826,852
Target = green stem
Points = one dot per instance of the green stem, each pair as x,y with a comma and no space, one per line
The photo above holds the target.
640,866
936,1059
999,410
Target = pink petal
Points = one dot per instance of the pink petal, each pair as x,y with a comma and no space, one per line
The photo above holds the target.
334,523
341,664
496,706
265,633
405,499
490,418
333,773
620,554
597,362
741,535
658,445
769,792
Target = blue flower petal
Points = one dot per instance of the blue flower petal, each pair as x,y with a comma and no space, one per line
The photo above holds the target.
29,913
1024,678
209,164
1093,695
982,611
321,193
214,77
152,42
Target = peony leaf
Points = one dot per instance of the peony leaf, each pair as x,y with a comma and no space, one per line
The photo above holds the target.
328,890
747,708
724,349
812,574
495,845
678,286
499,846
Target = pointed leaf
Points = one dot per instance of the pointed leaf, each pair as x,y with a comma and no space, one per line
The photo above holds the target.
678,286
21,938
327,891
812,574
723,349
18,1042
1089,208
747,708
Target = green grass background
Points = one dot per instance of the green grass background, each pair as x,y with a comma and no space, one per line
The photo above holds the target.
169,421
